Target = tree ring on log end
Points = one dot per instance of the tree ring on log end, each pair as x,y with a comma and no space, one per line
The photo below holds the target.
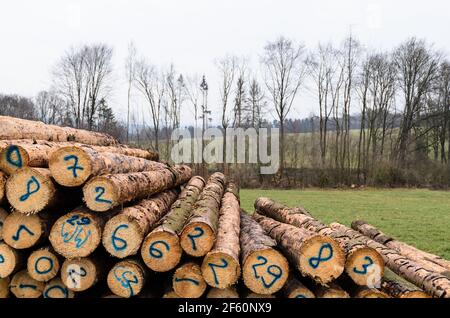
4,287
265,271
122,236
56,289
322,259
220,270
365,267
188,281
79,274
30,191
13,158
70,166
8,260
43,265
22,231
161,251
23,286
197,239
100,194
75,234
126,279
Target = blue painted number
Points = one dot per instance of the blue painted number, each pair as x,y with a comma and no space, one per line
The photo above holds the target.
273,270
118,243
213,266
13,151
98,198
363,271
155,252
125,281
21,228
314,262
49,266
30,182
75,165
192,237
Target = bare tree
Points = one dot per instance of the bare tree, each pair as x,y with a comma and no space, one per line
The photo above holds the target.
284,72
418,66
153,87
130,74
50,108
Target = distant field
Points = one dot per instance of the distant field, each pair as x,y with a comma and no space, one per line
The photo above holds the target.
418,217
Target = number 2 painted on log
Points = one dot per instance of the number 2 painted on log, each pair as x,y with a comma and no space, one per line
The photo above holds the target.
363,271
213,266
75,165
314,262
21,228
276,276
101,192
192,237
30,182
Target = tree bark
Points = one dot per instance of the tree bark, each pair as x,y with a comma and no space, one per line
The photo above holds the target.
103,193
161,249
433,262
220,267
123,234
398,289
316,256
433,283
15,128
199,233
258,251
364,265
73,165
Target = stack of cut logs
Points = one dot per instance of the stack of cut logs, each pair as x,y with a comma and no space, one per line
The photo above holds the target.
83,216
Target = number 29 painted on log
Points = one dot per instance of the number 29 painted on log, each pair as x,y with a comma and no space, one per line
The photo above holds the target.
273,270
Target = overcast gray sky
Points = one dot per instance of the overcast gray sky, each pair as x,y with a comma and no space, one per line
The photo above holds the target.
192,33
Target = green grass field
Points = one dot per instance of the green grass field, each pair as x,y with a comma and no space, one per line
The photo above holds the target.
417,217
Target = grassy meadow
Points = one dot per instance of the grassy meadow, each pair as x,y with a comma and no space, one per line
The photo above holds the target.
416,216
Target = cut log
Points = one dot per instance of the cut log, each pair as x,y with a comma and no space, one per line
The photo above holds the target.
80,274
332,291
31,190
264,269
366,292
220,267
43,264
156,254
433,262
72,166
78,233
106,192
434,283
3,180
316,256
364,265
22,231
127,278
188,281
3,216
124,233
11,260
255,295
23,286
16,154
15,128
398,289
294,288
274,208
199,233
56,289
229,292
4,287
